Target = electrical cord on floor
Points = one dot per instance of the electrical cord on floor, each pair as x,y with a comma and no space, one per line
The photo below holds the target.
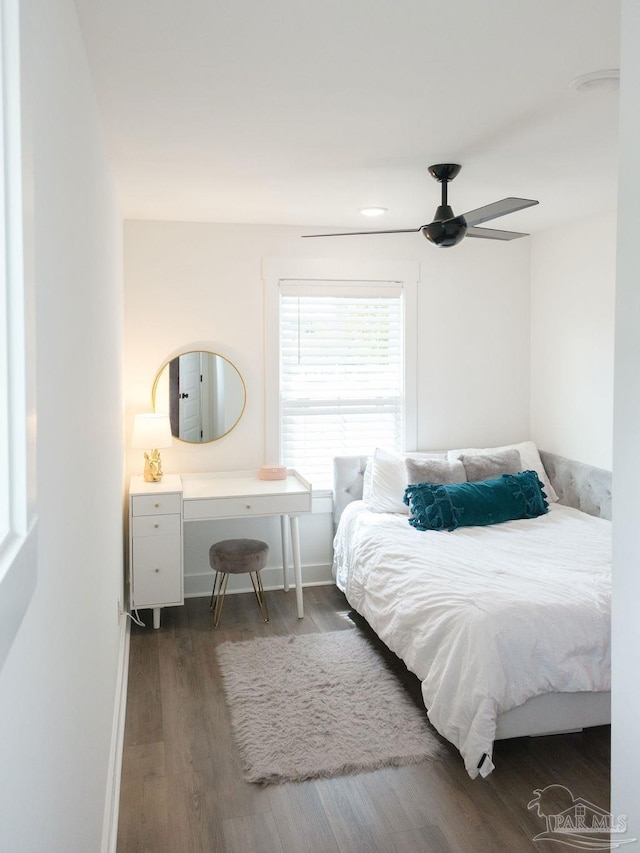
136,618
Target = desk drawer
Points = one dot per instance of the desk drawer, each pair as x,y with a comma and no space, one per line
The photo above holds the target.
251,505
162,504
156,525
157,571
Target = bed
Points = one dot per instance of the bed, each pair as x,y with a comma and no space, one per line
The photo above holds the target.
507,626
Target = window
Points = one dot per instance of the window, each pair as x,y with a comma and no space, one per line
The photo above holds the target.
12,341
341,368
357,389
18,522
5,526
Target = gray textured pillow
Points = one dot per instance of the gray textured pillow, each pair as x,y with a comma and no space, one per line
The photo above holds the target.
438,471
484,467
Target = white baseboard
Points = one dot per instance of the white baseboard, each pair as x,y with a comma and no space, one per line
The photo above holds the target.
198,585
114,776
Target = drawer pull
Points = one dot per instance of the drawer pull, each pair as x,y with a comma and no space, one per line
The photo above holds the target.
156,505
156,571
248,506
156,526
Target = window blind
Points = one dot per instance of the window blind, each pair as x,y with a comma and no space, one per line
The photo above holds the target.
341,374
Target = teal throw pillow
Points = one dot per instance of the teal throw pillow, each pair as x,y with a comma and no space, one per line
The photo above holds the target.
504,498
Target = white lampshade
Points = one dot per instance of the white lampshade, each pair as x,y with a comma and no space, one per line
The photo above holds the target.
151,431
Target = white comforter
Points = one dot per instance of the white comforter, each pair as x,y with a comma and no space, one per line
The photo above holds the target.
486,617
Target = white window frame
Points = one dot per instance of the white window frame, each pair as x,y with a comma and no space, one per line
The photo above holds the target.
275,271
18,548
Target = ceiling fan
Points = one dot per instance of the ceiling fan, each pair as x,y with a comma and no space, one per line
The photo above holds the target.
447,229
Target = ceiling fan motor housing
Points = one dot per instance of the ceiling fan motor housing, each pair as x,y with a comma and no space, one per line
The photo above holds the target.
447,232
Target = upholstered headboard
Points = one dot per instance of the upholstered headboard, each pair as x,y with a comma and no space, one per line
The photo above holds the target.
578,485
348,479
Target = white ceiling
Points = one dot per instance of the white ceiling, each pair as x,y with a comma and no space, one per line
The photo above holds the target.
298,112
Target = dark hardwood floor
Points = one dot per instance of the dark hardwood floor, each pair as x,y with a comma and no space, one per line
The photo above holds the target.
182,787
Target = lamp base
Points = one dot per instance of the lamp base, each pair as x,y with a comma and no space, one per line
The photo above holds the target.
152,467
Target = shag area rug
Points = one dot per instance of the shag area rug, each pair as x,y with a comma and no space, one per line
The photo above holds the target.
317,705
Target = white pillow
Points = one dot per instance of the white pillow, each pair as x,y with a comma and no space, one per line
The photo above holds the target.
366,480
529,457
388,480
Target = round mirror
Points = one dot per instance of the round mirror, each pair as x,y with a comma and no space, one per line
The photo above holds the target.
203,394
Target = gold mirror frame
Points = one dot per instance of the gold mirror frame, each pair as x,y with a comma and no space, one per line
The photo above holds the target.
214,387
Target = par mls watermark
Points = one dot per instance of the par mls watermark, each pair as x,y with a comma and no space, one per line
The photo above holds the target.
576,822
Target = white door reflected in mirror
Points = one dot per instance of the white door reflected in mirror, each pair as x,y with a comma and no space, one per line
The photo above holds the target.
203,394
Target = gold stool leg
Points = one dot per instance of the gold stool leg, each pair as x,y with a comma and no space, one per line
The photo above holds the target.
259,591
213,591
222,589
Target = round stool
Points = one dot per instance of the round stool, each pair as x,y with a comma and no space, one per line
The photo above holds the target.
234,557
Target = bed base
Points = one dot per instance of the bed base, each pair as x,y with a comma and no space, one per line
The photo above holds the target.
578,485
555,713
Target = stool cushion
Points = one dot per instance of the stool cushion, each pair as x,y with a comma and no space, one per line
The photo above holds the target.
235,556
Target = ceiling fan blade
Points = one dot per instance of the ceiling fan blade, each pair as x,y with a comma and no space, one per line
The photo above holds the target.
494,234
498,208
358,233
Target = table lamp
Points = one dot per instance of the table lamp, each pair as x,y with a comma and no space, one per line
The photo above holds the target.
150,432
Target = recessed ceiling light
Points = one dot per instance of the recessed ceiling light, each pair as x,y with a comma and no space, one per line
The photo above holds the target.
597,81
373,211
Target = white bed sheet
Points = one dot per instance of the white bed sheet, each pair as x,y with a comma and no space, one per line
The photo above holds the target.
486,617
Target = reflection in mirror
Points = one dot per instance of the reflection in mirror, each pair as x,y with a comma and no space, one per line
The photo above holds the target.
202,393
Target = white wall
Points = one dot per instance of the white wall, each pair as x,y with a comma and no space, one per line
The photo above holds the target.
625,757
58,684
473,349
197,283
572,340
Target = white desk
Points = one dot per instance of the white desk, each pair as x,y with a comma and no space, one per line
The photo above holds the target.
156,573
